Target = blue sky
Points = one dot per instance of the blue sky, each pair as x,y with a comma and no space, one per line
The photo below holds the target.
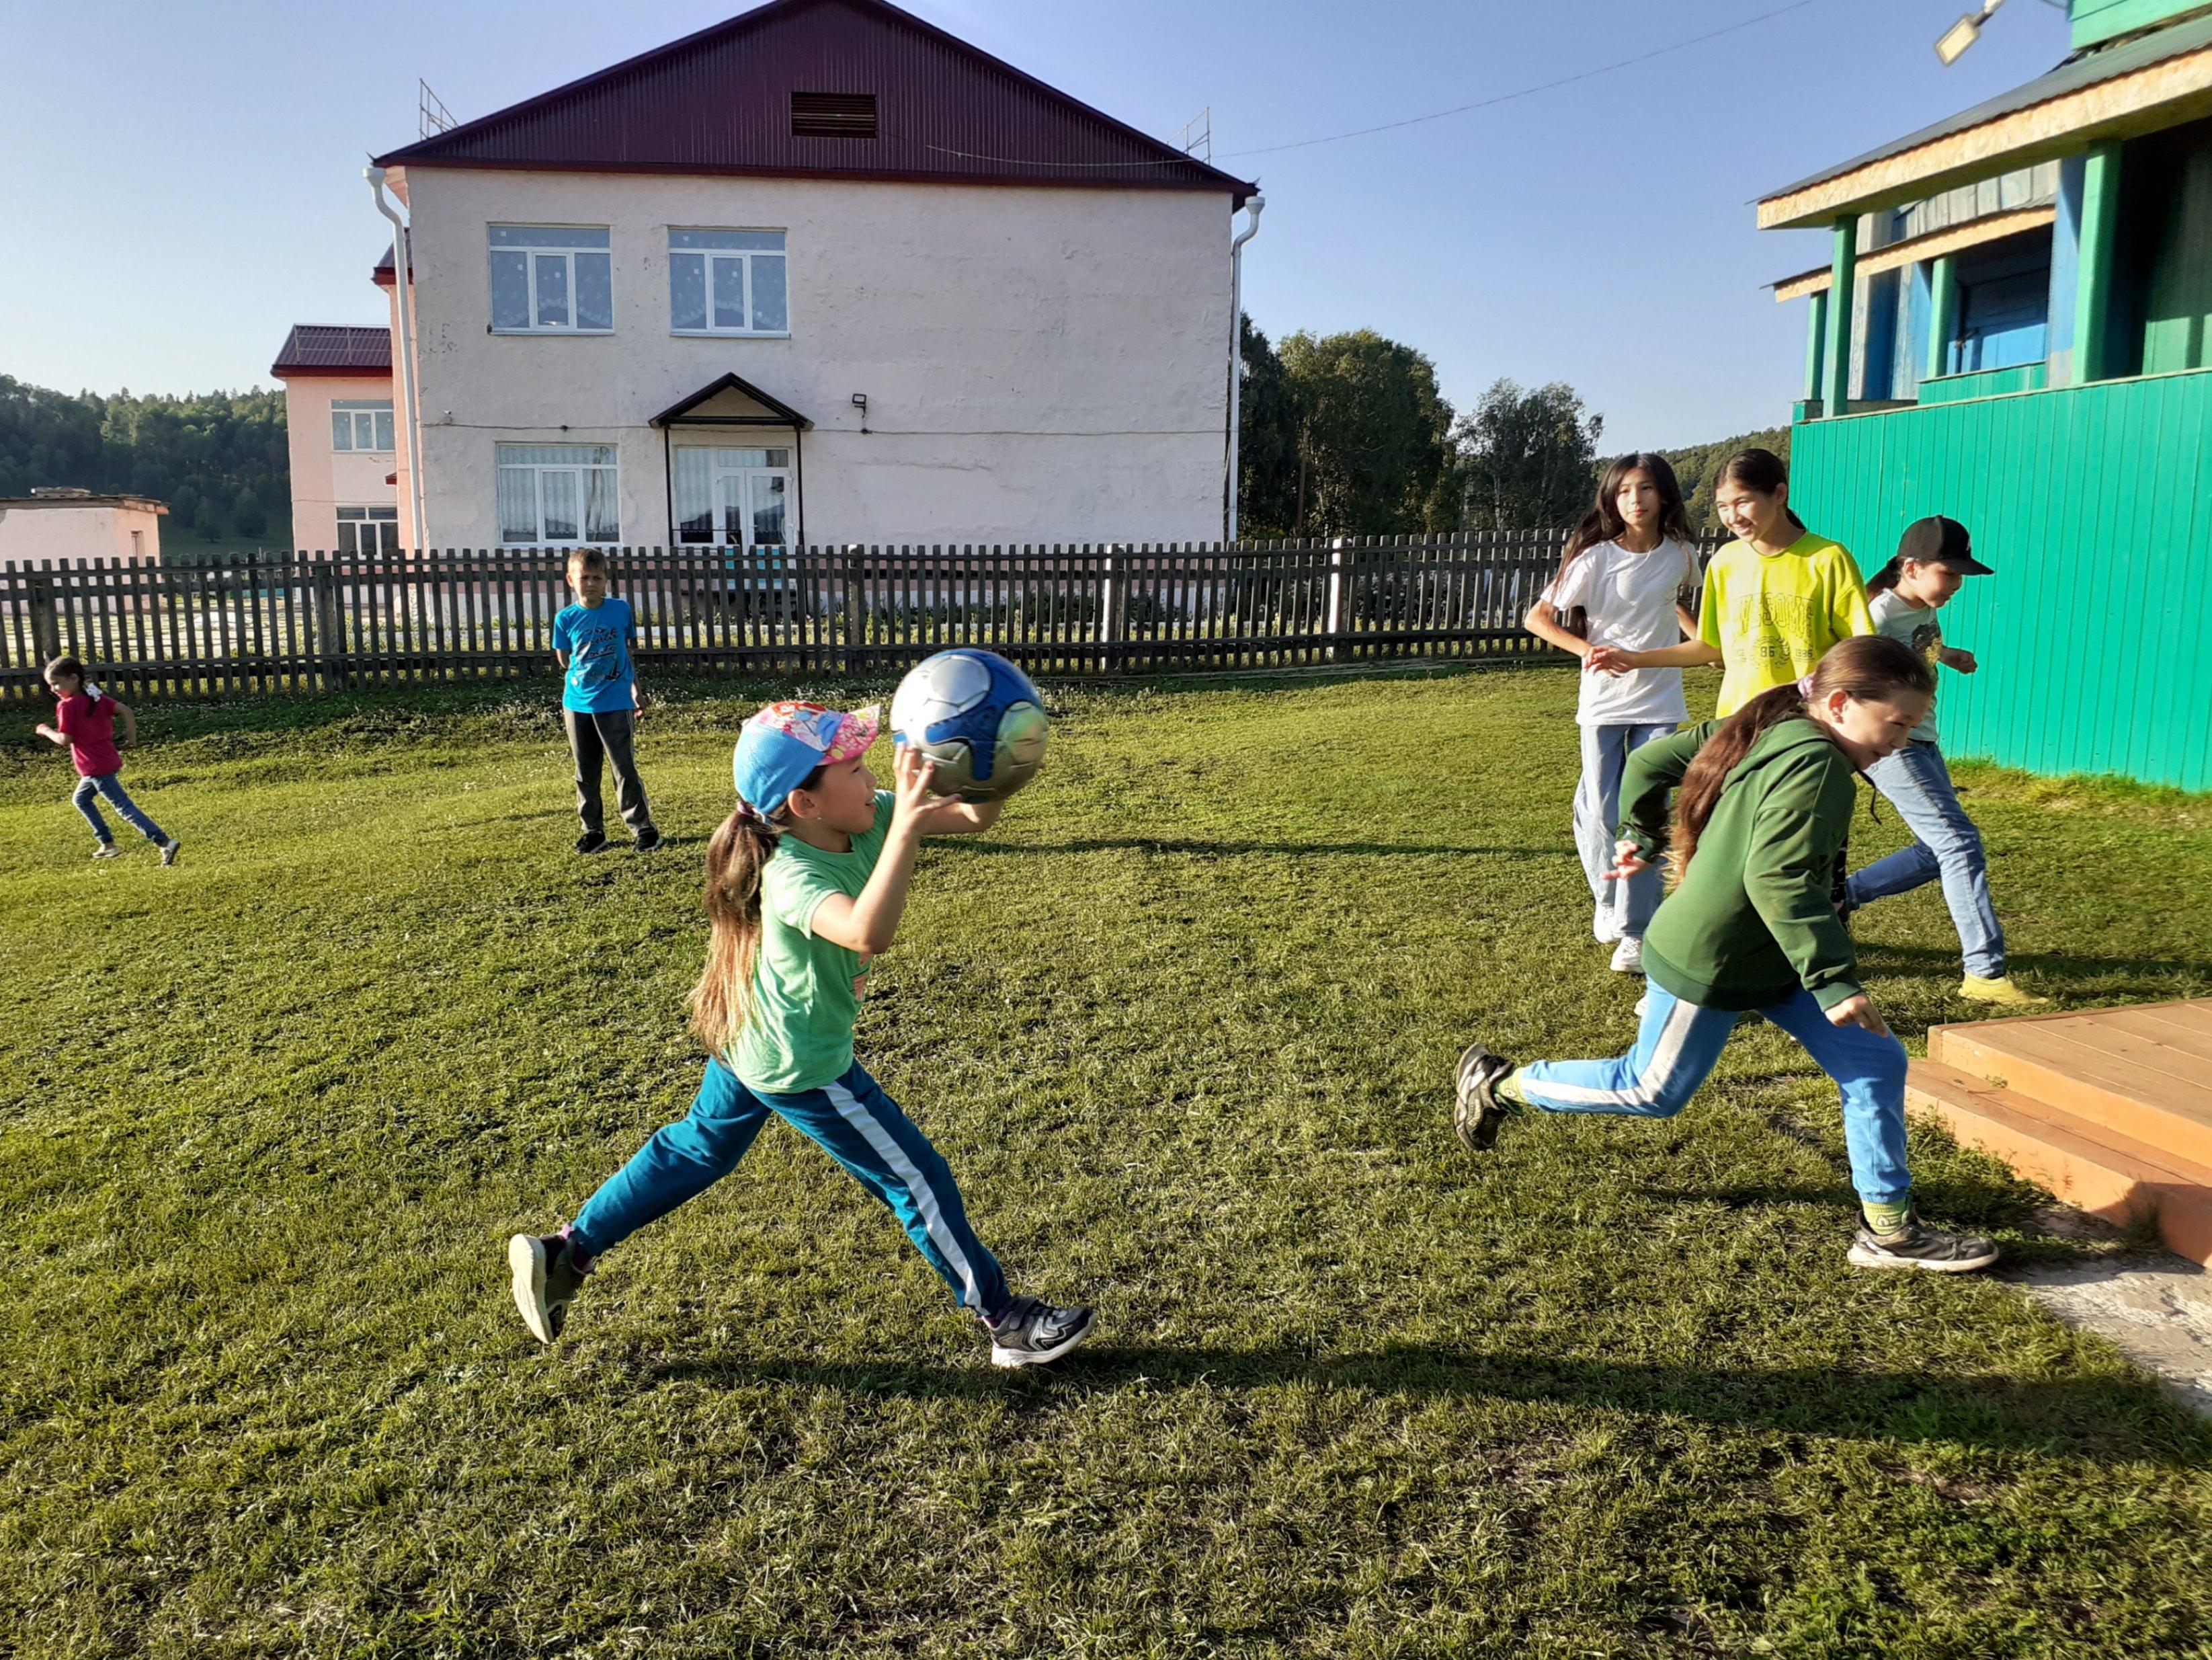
184,181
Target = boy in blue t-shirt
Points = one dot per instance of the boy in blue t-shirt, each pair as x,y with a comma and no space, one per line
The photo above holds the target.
598,701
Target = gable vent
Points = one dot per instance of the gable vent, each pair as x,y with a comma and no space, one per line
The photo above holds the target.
833,114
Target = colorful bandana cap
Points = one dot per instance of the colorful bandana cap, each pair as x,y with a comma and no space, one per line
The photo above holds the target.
784,742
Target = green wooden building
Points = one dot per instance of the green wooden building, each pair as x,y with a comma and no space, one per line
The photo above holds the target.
2015,329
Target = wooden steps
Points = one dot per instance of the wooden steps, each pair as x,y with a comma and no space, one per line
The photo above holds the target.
2111,1109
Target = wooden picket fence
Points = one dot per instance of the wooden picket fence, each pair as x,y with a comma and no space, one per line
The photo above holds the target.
310,622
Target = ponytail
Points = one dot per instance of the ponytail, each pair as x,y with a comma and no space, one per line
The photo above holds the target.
1885,578
737,857
1867,667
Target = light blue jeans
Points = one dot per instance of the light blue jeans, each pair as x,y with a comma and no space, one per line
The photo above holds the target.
854,1122
1918,784
1680,1044
86,799
1605,750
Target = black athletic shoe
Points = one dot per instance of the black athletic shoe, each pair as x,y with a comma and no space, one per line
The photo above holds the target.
648,839
590,841
545,1281
1917,1245
1480,1109
1031,1332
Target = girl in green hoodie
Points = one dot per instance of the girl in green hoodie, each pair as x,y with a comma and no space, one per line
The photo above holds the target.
1765,799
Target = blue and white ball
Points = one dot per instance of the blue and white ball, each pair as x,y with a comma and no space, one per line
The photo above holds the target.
977,716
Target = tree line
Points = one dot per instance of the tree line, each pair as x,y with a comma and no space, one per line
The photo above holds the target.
1346,434
218,459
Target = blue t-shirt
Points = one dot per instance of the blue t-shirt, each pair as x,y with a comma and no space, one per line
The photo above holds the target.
597,640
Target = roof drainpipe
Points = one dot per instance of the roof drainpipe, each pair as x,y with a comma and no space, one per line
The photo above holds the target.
403,263
1236,344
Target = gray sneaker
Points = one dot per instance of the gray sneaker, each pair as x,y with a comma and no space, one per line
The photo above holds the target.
108,850
1032,1332
545,1281
1917,1245
1478,1109
170,849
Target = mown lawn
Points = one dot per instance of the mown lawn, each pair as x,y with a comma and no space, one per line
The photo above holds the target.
1184,1025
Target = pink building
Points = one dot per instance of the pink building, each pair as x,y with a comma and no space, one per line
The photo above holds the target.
346,466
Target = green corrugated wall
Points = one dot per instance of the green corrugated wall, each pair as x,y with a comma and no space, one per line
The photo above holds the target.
2094,504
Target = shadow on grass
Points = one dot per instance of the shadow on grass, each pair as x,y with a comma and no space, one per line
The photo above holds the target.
2159,974
1164,844
2106,1420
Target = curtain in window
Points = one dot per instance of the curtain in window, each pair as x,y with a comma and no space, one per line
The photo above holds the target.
518,504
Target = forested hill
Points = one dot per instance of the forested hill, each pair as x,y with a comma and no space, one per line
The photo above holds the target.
217,458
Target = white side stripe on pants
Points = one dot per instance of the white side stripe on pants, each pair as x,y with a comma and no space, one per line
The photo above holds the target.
1666,1055
894,1159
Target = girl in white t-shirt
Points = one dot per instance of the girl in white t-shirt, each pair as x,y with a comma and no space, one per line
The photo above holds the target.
1621,583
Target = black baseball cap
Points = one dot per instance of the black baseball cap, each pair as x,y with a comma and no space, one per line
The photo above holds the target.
1936,540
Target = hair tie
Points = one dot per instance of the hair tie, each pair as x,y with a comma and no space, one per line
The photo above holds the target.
752,815
1805,687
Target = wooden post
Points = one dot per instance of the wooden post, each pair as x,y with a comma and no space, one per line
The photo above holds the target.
1816,339
326,646
855,605
2093,296
1942,316
1112,608
1334,622
45,620
1843,281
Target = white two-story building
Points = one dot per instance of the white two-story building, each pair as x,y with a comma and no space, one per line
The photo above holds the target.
823,273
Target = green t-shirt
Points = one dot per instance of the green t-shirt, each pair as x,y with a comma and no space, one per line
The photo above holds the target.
807,991
1772,616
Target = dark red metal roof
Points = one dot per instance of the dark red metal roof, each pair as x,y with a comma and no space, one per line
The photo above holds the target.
326,348
720,102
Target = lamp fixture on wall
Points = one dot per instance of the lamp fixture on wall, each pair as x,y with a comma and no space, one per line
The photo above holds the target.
860,403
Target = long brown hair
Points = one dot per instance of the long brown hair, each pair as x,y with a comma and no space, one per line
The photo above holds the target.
1603,522
1867,667
737,858
1757,470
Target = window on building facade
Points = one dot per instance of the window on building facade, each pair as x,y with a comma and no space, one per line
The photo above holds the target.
551,279
368,530
552,492
360,423
732,497
727,281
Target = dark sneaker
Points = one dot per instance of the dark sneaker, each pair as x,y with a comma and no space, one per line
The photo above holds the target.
590,841
1480,1110
108,850
170,849
1031,1332
648,839
1917,1245
545,1281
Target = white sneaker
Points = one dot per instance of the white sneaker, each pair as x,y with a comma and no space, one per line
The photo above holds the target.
1605,925
108,850
1628,955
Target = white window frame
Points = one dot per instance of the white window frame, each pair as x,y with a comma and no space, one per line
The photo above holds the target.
715,472
353,417
711,257
503,468
384,521
556,242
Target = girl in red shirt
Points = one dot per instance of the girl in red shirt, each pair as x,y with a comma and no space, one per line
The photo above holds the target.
84,719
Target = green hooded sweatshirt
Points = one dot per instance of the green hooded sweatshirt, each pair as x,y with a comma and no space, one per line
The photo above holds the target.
1755,916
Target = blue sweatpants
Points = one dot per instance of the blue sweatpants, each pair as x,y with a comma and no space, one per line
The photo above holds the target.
854,1122
1680,1044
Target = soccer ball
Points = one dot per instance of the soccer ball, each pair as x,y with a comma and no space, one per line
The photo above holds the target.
978,717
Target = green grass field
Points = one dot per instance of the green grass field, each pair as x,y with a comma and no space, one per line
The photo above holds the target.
1184,1025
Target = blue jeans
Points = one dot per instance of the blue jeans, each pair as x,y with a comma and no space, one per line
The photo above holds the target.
1605,750
86,800
854,1122
1679,1044
1918,785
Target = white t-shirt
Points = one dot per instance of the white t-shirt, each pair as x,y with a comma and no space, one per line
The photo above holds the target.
1630,598
1919,627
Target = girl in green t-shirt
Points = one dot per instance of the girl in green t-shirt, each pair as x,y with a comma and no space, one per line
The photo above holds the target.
806,885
